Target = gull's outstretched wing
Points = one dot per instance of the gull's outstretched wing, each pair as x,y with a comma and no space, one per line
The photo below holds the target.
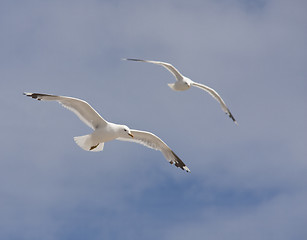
168,66
152,141
214,94
81,108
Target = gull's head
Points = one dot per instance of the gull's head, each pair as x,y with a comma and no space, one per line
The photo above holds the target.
186,83
126,131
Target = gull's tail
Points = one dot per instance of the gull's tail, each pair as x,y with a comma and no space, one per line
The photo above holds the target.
85,142
172,86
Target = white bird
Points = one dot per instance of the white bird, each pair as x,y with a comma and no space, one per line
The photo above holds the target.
105,131
184,83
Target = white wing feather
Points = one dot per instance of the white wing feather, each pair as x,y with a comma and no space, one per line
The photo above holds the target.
81,108
214,94
168,66
150,140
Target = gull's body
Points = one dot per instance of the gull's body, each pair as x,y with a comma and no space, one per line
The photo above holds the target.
105,131
184,83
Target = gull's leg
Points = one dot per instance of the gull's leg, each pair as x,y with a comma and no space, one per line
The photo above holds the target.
93,147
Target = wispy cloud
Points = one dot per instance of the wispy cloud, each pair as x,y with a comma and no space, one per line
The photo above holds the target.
246,181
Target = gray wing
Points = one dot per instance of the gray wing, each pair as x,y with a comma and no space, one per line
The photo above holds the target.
168,66
81,108
152,141
214,94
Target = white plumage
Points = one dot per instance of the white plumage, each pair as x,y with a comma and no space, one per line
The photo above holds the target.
105,131
184,83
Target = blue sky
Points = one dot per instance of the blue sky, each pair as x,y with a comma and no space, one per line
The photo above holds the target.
246,181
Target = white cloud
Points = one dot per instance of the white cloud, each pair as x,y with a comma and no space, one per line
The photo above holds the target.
254,56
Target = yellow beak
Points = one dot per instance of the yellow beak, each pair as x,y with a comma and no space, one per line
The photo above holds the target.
130,135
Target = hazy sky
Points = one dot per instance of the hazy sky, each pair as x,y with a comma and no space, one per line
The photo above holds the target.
246,181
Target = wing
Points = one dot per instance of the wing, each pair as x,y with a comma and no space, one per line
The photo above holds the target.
214,94
82,109
168,66
152,141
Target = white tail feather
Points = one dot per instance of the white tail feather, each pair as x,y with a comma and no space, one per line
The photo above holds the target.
85,142
171,85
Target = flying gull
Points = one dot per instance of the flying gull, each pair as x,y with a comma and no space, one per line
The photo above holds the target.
184,83
105,131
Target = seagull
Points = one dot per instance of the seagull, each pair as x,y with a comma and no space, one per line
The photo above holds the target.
105,131
184,83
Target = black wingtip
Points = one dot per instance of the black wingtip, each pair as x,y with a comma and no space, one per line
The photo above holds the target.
37,96
32,95
179,163
231,116
133,59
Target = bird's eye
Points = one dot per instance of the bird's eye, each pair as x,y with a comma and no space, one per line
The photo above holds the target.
125,130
